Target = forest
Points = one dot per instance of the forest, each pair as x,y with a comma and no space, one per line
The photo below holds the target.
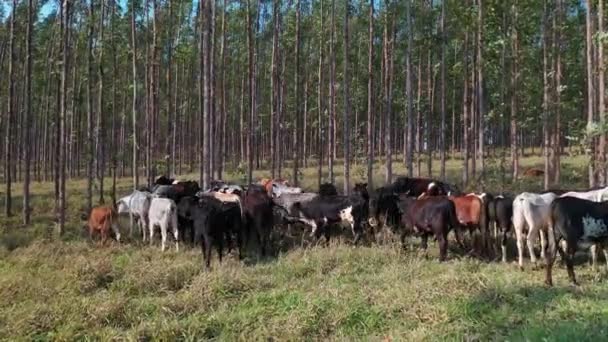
103,89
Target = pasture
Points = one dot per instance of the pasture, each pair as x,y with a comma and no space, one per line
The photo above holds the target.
67,289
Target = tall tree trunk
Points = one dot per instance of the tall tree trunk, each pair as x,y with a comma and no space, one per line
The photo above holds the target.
480,91
100,130
134,100
62,122
346,89
514,92
297,98
206,35
8,143
558,78
223,114
600,92
250,133
90,113
546,134
442,146
590,90
370,99
408,90
321,103
465,113
27,112
332,95
388,57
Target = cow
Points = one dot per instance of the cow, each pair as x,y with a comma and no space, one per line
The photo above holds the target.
280,189
500,214
418,186
137,205
471,214
533,172
163,214
258,215
575,222
429,216
269,184
595,195
328,189
323,211
176,191
531,210
224,187
163,180
214,223
384,208
102,219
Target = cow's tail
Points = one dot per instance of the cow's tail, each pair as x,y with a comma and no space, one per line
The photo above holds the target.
453,217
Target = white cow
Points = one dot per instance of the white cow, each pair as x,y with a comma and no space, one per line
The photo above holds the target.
532,210
163,214
280,189
599,195
137,206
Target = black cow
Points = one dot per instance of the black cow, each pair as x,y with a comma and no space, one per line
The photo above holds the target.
500,214
177,191
384,208
215,223
259,217
578,222
163,180
323,211
328,189
429,216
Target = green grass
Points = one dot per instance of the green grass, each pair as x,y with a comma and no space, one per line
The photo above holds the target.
68,289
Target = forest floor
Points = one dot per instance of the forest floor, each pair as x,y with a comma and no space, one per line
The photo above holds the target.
69,289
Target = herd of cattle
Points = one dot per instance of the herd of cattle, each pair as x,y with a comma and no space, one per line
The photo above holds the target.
226,214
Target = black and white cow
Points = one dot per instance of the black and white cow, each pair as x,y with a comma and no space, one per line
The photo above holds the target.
323,211
574,223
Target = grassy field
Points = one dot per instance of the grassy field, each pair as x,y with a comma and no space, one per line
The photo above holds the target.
68,289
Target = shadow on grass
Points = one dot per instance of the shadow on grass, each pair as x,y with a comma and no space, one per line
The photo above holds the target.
533,313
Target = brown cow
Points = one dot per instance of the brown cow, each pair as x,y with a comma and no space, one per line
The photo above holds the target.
471,213
101,219
534,172
267,184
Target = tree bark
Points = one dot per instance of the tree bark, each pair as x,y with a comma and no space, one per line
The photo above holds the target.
346,89
8,143
546,142
135,147
514,92
408,91
28,112
62,122
600,91
590,91
442,146
370,100
297,126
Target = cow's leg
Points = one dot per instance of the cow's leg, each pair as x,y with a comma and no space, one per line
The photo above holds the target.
531,239
163,235
459,237
239,241
104,235
151,237
552,247
208,243
570,250
116,231
176,237
593,252
442,238
503,246
543,244
220,248
424,243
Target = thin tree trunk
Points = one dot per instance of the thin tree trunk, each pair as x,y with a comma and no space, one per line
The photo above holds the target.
297,126
100,130
27,112
62,122
346,89
558,78
250,133
321,103
370,99
600,92
8,143
408,90
465,113
590,90
514,93
546,135
442,146
134,100
480,91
